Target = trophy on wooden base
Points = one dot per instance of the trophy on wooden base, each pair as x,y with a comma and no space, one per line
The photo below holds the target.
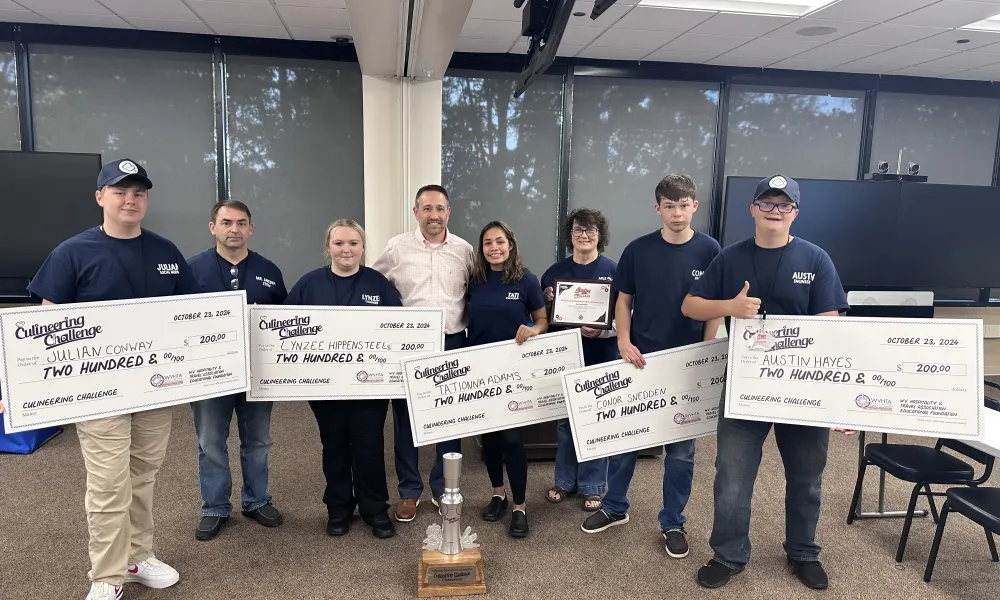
451,564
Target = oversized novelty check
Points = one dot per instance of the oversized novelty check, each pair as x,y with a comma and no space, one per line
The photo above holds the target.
616,408
492,387
68,363
337,352
910,376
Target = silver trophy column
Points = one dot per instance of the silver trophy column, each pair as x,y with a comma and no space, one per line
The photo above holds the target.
451,505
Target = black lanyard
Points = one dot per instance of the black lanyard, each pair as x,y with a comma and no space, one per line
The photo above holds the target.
115,251
336,292
227,284
765,296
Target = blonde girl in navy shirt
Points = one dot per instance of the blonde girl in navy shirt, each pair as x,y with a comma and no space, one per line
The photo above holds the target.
503,297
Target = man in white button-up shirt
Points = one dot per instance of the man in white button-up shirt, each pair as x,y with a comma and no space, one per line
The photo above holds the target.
429,267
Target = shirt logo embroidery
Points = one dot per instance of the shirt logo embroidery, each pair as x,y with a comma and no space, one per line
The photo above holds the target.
803,277
697,274
370,299
513,295
606,278
168,269
266,282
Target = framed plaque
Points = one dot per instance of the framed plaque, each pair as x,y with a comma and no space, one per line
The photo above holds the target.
582,302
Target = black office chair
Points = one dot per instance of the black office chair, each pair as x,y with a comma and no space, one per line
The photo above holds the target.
924,466
981,505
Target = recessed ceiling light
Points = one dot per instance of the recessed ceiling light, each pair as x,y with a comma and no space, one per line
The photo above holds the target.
814,31
790,8
963,41
579,14
990,24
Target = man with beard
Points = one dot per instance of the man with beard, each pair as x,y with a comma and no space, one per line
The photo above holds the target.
429,267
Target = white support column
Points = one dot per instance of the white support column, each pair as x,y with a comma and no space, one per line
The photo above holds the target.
402,129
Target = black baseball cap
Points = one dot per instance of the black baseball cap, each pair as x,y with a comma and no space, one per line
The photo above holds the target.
119,170
778,183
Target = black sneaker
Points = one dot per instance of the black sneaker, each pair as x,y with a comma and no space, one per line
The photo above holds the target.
810,573
266,515
601,520
209,527
676,543
338,527
495,509
382,527
518,524
715,574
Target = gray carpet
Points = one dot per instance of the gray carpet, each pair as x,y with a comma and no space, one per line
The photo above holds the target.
43,543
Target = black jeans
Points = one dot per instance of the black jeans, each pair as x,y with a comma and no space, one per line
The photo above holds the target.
353,456
500,447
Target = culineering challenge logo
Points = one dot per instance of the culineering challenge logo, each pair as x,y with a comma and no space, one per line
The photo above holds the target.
59,333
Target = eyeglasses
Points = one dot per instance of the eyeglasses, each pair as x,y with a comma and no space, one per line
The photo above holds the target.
783,207
579,231
235,274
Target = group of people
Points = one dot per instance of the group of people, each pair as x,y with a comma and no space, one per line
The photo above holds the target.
674,287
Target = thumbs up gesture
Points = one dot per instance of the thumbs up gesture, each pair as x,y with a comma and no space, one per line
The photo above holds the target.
744,306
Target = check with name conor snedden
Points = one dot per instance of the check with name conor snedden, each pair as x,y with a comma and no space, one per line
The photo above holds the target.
616,408
337,352
909,376
68,363
479,389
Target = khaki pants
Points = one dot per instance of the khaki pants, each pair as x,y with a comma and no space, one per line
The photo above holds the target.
122,455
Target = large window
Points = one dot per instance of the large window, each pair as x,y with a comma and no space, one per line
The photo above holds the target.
500,159
628,134
296,153
10,137
154,107
952,139
804,134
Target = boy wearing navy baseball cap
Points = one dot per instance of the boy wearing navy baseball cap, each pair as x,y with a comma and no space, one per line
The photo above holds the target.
769,273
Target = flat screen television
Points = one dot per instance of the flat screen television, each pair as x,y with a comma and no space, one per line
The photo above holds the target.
48,197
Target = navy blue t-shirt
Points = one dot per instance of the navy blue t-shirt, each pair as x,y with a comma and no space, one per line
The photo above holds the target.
595,350
802,281
93,266
321,287
658,275
497,309
257,275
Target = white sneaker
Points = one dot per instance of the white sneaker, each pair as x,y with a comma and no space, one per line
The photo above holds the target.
104,591
152,573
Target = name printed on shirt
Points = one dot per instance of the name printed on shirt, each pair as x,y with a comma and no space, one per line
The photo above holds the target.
265,281
370,299
168,269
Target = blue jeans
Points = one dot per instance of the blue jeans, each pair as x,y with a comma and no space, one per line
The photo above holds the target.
411,484
211,423
588,477
803,453
678,471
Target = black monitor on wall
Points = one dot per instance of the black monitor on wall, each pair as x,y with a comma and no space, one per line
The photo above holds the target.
852,220
48,197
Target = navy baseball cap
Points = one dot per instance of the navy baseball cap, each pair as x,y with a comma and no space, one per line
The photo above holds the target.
118,170
778,183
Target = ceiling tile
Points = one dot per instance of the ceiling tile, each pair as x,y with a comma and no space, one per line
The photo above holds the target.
22,16
474,45
680,56
487,29
318,35
843,28
613,53
949,13
613,13
663,19
193,26
922,71
974,75
9,5
520,47
161,9
320,18
633,38
250,30
495,9
841,52
889,34
230,12
78,20
705,44
802,64
774,48
741,24
78,7
965,60
743,61
312,3
864,66
905,57
567,50
870,11
946,40
580,36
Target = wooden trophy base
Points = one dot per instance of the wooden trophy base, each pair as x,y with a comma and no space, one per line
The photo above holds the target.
459,574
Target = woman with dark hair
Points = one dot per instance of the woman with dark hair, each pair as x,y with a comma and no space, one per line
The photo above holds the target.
351,431
503,297
586,233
